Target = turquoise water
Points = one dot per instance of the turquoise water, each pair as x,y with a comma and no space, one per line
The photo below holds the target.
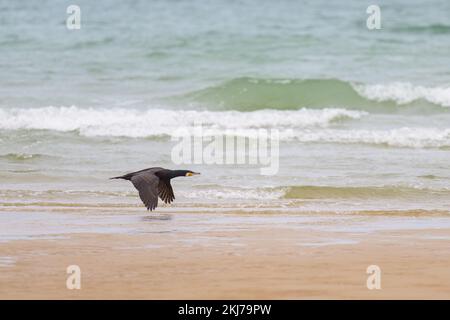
364,115
132,53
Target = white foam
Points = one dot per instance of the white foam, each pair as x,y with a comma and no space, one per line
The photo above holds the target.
305,125
235,194
404,93
157,122
401,137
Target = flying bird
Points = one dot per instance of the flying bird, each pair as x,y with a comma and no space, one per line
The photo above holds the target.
153,183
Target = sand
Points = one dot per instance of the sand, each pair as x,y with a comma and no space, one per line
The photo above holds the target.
223,261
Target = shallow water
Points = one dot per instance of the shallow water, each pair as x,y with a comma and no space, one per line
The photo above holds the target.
34,224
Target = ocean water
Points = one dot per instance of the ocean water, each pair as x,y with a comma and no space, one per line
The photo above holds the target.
363,115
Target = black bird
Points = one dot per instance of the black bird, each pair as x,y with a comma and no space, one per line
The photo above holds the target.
154,182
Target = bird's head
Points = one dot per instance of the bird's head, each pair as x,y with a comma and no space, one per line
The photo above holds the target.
180,173
191,173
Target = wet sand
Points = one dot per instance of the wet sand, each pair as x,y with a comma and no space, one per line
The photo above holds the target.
175,259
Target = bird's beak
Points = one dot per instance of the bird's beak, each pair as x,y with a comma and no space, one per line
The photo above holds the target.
192,174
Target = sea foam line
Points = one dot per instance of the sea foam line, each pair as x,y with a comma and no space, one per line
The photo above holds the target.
304,125
404,93
154,122
399,137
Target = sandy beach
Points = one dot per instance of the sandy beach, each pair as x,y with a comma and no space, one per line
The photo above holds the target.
222,257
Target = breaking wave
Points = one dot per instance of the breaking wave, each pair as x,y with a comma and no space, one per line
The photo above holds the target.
303,125
249,94
159,122
401,137
318,193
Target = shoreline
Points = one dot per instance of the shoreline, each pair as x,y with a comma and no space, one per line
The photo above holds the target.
200,256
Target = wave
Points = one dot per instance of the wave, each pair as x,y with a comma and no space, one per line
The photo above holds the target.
401,137
158,122
363,192
405,93
304,125
342,199
309,192
248,94
229,193
218,192
62,193
436,28
317,193
22,156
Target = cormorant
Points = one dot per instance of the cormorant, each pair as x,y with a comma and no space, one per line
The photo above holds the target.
154,182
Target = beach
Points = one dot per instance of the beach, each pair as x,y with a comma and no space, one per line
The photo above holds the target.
226,256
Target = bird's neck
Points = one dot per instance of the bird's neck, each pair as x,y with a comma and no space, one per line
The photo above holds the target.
177,173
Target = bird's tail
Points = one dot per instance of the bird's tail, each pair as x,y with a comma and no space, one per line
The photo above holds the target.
120,177
125,177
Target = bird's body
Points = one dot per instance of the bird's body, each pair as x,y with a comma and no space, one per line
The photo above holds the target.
153,183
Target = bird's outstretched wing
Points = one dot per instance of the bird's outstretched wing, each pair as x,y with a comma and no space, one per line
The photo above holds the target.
147,185
165,191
